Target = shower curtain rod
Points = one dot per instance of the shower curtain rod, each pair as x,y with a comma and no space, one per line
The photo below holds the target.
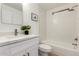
69,9
60,11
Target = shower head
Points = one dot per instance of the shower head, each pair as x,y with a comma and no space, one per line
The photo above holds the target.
72,8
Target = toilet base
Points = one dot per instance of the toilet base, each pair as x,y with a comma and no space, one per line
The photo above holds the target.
44,49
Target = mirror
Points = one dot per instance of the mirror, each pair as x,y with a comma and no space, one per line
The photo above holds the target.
12,13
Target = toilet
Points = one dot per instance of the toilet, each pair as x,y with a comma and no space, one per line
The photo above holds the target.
44,49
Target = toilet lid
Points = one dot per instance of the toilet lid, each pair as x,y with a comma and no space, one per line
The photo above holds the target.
44,46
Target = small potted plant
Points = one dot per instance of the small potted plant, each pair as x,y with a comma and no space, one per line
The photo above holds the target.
26,29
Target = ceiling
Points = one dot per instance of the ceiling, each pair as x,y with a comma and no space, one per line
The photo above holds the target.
47,6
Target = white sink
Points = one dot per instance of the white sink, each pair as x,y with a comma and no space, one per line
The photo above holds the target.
5,40
13,36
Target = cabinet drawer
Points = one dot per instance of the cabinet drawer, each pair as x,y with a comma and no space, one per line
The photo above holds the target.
33,50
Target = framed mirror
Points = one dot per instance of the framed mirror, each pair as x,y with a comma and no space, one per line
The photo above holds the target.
12,13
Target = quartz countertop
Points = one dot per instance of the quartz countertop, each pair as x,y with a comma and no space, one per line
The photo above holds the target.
9,39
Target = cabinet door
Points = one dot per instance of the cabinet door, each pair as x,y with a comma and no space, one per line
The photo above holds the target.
32,50
20,53
5,51
6,14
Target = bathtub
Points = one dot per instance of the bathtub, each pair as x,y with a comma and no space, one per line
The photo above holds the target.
63,49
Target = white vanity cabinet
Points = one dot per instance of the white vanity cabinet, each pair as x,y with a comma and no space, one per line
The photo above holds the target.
24,48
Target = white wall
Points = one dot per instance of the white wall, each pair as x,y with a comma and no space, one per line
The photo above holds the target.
42,24
61,27
6,27
37,27
28,8
77,21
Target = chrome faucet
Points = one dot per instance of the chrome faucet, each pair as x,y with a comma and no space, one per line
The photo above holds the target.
15,32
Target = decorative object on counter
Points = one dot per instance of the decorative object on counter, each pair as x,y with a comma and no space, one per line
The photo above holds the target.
34,17
25,29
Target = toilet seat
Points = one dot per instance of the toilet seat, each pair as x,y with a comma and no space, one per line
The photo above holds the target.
45,48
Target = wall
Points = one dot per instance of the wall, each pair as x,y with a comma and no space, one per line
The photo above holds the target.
37,27
42,24
61,27
78,21
28,8
7,27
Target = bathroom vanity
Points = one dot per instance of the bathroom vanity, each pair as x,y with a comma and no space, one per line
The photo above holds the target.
11,15
21,45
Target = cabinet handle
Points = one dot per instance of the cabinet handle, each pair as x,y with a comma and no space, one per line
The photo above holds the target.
28,54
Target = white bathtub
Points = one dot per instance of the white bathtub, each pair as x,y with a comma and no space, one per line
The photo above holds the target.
63,49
